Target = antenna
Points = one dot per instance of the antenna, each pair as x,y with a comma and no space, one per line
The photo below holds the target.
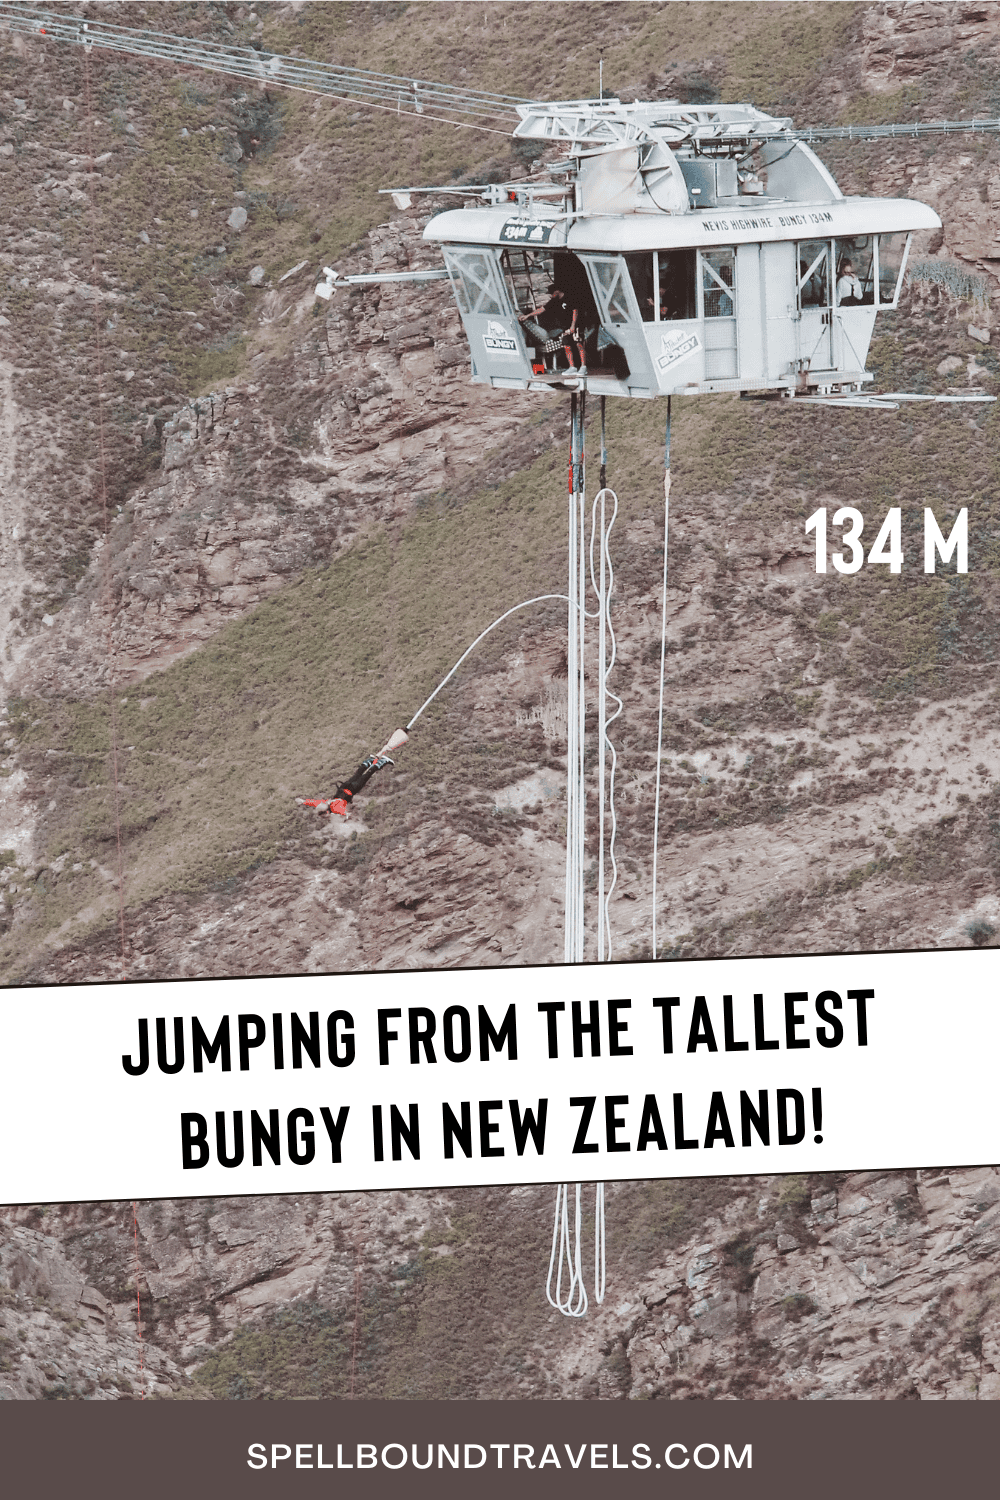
600,74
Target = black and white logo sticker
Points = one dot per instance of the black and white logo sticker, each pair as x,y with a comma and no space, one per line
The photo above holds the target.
676,346
527,231
499,341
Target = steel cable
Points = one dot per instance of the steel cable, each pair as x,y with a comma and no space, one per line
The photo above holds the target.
386,91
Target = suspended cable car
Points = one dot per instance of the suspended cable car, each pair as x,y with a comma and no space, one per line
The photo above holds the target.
694,250
703,248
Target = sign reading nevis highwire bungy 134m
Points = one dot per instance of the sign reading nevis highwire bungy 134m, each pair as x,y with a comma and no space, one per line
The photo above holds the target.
359,1081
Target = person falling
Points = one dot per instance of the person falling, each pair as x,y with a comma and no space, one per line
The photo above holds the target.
346,791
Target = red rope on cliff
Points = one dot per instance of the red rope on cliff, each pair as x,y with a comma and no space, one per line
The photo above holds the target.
104,510
357,1304
138,1308
110,649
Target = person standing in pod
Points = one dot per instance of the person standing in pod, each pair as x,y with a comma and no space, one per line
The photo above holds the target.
556,322
346,791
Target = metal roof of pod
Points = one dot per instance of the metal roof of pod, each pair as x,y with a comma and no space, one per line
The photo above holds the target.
620,233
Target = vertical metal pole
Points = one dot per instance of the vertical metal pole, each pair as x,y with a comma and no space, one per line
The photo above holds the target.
573,945
581,811
602,674
603,935
572,629
663,658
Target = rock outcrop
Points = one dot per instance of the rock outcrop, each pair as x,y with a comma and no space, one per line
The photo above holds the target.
62,1339
862,1286
362,420
902,43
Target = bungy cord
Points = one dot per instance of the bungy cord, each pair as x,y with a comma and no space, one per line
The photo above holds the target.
566,1256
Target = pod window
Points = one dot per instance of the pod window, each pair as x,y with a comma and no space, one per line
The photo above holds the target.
813,281
718,283
893,250
854,259
664,284
475,279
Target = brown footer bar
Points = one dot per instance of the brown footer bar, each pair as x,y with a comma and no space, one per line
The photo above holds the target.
489,1448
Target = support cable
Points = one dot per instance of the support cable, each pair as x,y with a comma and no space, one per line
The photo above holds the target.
366,87
581,701
385,91
663,661
569,899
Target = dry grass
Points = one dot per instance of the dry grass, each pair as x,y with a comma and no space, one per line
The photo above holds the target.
303,686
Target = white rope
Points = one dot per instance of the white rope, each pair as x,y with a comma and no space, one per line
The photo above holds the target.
663,660
539,598
566,1253
572,754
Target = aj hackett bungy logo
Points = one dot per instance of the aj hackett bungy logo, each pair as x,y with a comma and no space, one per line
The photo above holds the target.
500,341
677,346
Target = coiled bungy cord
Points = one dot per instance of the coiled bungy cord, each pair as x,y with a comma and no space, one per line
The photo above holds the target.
574,1304
663,659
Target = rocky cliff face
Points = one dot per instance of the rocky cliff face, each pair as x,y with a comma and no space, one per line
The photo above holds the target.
905,44
368,413
61,1338
879,1288
871,1286
291,561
